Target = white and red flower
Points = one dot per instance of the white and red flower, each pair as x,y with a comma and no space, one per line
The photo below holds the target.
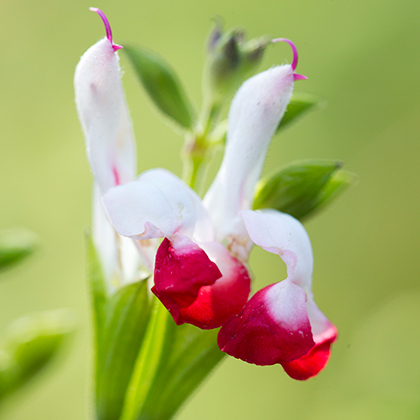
200,271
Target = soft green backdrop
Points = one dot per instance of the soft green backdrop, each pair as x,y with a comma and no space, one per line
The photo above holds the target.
363,57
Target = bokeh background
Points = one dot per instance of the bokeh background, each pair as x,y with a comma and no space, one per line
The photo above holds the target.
362,56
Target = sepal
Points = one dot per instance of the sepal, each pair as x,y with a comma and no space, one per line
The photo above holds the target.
302,189
162,85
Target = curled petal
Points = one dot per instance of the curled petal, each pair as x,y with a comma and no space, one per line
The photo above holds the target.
104,116
272,328
217,303
181,269
282,234
156,205
254,115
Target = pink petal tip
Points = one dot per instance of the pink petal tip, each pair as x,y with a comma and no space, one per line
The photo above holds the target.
115,47
299,77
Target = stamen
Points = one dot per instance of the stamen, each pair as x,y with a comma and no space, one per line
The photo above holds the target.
107,27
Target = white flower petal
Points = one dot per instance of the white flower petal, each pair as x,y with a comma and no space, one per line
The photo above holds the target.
104,238
322,328
104,116
156,205
120,259
284,235
254,115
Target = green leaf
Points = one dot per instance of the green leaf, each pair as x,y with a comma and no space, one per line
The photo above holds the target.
337,184
194,355
173,361
15,245
162,85
29,345
155,350
301,189
127,316
298,106
98,289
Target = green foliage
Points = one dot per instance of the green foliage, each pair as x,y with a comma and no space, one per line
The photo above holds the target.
98,289
302,189
120,322
15,245
173,362
127,316
146,366
192,356
299,105
162,85
29,345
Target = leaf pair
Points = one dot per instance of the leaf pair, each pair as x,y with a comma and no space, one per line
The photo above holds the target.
164,88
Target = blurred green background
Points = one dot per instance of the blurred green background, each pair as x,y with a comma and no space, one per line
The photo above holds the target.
363,57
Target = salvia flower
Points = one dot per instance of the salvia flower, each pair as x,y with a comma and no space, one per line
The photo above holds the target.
200,268
110,148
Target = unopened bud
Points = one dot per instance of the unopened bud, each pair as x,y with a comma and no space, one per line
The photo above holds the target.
230,60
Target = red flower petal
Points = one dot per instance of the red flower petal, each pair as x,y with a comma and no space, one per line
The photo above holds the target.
217,303
312,363
272,328
180,273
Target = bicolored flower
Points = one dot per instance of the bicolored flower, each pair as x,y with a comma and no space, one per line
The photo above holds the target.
196,278
200,268
281,323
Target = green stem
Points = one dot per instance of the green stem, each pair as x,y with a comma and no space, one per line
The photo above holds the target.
196,149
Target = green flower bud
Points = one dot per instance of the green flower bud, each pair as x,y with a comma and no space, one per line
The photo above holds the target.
230,60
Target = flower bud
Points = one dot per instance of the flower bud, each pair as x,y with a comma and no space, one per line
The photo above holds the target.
230,59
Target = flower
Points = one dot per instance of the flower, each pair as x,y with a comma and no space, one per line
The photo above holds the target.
110,148
281,323
200,267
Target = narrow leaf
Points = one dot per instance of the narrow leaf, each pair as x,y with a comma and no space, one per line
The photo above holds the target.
29,345
97,287
127,316
298,106
194,355
15,245
154,351
301,189
162,85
